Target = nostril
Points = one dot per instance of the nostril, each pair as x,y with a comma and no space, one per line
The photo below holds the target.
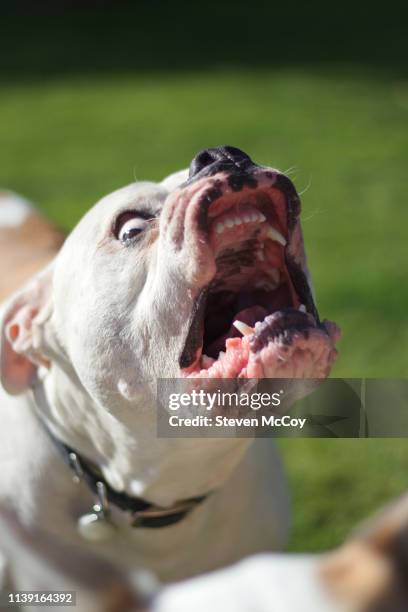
225,155
200,161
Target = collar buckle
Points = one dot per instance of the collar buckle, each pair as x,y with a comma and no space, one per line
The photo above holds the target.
76,467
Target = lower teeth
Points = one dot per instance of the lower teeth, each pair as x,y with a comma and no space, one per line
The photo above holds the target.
245,329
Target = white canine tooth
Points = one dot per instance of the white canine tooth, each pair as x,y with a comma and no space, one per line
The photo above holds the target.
219,228
254,216
237,221
261,217
302,308
243,328
247,218
229,223
273,234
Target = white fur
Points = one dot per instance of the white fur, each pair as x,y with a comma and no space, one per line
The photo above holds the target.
263,583
174,180
14,209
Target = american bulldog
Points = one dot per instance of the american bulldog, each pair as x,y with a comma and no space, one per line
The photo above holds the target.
203,275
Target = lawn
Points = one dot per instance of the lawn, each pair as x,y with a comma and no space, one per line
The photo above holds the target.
341,134
344,140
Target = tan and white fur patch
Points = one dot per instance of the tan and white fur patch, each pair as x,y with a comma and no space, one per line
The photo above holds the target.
28,242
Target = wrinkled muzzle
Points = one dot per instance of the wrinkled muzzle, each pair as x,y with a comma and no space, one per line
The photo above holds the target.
234,229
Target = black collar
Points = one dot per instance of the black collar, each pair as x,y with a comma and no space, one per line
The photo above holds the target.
142,512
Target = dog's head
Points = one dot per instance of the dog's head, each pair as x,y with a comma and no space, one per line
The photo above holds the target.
202,275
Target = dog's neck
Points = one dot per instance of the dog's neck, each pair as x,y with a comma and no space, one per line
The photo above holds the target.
126,448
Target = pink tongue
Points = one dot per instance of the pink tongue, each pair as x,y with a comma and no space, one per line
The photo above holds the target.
249,316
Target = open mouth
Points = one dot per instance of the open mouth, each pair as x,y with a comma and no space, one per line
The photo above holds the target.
257,317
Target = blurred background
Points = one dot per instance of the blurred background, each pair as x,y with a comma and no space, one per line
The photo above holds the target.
94,95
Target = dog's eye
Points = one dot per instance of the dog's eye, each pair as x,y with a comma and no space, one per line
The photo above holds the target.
129,225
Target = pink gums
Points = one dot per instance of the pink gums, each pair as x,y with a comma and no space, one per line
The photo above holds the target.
308,355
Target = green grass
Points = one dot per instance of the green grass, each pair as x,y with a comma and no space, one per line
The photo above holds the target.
338,483
67,141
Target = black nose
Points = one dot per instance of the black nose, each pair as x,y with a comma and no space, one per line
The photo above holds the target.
210,161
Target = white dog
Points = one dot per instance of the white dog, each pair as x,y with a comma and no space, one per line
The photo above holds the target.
155,281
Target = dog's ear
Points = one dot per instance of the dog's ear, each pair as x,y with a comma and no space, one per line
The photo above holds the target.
22,330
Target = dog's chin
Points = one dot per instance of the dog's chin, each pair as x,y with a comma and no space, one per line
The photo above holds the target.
257,318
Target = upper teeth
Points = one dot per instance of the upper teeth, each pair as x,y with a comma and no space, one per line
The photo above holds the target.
273,234
248,217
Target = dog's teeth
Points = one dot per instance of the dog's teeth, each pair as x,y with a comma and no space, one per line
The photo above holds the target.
250,217
206,362
302,308
260,255
273,234
243,328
